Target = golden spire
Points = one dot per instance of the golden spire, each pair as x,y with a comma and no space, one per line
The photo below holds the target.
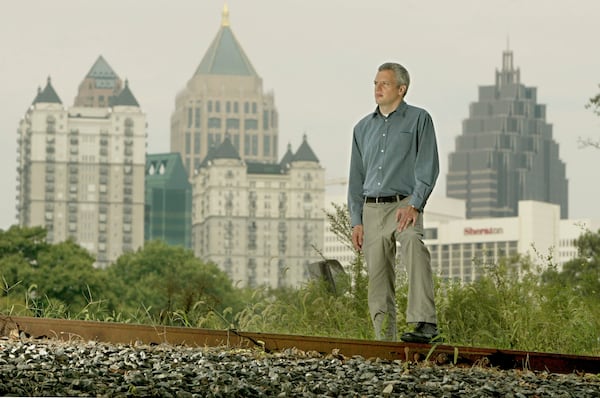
225,18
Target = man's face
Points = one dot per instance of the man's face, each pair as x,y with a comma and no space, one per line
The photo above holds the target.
386,90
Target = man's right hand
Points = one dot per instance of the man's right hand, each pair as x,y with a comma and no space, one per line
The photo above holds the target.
357,237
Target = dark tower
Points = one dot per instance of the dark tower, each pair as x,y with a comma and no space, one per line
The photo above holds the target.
506,152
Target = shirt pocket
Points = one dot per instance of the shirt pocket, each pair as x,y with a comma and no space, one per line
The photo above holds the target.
401,141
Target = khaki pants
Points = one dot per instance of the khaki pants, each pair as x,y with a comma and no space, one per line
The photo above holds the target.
379,246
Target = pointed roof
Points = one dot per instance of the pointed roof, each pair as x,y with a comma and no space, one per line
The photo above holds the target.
101,69
166,170
47,95
225,150
305,152
225,55
125,97
288,157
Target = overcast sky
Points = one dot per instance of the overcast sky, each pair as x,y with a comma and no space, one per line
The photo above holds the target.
319,57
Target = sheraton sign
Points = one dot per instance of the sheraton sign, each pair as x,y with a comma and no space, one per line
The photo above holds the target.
483,231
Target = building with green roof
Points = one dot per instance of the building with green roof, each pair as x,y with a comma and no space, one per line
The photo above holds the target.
168,203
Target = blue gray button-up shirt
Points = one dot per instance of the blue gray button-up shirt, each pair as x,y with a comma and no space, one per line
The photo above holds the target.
396,155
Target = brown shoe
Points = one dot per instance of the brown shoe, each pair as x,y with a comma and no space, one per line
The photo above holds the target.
423,333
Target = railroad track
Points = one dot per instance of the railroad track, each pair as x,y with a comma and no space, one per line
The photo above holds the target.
115,333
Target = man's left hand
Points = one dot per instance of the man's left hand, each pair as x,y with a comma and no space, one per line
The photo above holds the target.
406,217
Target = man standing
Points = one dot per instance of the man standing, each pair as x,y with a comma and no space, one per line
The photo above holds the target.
393,169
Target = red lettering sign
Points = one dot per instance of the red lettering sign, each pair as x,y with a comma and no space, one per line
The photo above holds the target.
482,231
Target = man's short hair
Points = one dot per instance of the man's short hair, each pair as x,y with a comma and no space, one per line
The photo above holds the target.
402,76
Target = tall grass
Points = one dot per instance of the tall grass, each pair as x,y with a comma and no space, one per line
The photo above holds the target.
503,309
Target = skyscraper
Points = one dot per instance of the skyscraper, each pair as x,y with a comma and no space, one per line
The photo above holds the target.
259,219
506,152
224,96
81,169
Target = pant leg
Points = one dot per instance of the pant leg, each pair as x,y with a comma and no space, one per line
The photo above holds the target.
415,256
379,247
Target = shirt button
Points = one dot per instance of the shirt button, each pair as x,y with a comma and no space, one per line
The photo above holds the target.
382,150
378,183
379,167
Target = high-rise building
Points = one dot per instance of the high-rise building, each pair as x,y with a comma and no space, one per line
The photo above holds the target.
262,223
81,169
224,97
168,214
506,152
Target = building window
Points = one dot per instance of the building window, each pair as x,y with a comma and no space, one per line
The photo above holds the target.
233,123
236,142
267,145
250,124
197,118
266,120
188,142
255,145
190,117
196,143
214,122
214,140
217,106
273,119
246,144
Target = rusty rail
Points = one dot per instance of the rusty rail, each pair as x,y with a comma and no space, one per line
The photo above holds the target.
130,333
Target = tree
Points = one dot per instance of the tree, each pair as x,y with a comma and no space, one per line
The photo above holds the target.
582,274
24,241
42,274
19,249
65,272
594,105
170,284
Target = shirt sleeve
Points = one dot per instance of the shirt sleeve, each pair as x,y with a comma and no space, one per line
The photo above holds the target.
355,183
426,164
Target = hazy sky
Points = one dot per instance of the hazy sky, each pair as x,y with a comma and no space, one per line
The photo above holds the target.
319,57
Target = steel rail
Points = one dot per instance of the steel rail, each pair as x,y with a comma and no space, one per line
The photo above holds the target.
123,333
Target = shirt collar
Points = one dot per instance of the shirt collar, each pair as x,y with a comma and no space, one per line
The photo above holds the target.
400,107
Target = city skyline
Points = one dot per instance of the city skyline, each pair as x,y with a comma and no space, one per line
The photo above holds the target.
318,64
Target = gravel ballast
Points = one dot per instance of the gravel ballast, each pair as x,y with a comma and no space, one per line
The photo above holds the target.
76,368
